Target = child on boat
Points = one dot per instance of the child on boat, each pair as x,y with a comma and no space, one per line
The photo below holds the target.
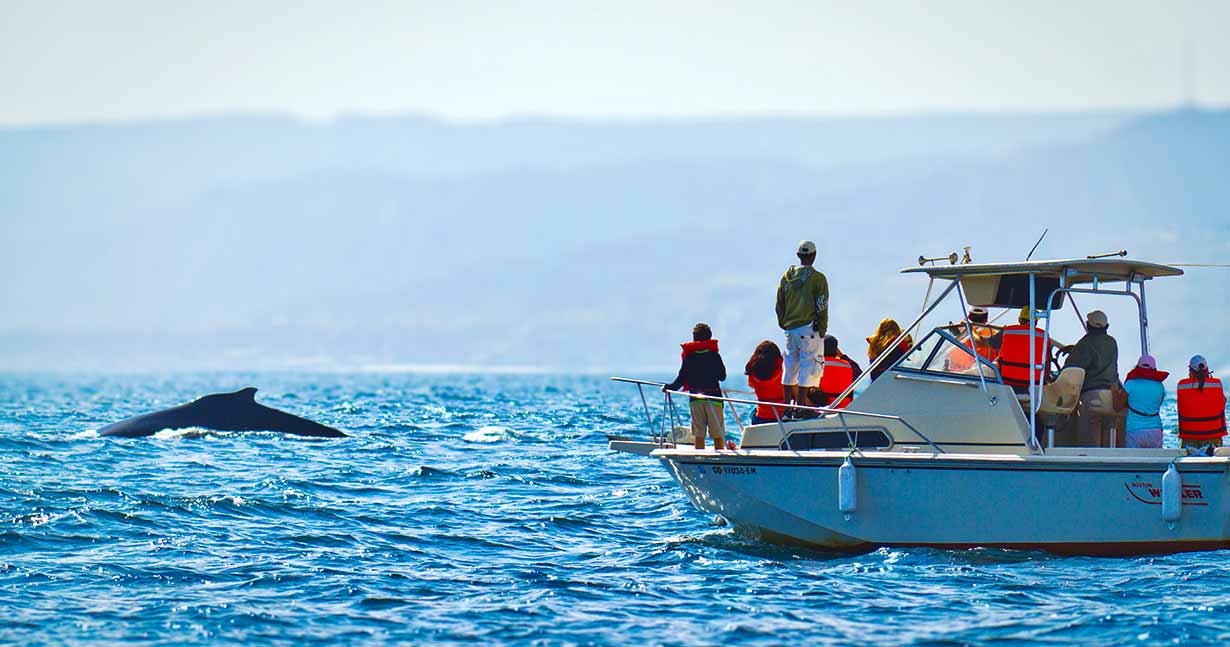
701,371
1145,393
764,375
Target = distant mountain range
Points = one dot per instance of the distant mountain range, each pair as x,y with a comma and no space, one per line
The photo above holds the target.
264,242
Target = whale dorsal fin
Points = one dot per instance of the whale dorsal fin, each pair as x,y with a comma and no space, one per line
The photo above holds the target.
246,394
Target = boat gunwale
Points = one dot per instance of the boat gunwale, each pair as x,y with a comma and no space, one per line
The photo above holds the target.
891,459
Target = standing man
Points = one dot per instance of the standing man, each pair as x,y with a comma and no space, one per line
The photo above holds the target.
803,313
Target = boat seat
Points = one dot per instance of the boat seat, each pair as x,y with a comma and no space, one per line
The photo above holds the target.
1060,397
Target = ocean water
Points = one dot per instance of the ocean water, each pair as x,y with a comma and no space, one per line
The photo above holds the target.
479,510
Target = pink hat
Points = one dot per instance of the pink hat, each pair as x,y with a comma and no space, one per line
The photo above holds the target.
1146,361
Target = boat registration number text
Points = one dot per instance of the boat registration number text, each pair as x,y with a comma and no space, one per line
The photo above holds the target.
733,469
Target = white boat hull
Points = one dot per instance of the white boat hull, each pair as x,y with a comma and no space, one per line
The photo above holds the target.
1068,505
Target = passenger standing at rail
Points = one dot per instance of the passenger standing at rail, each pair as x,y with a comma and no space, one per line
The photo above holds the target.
1097,353
764,375
1202,407
1145,393
701,371
878,344
803,313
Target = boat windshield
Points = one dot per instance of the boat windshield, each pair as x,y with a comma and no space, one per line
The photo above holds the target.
941,353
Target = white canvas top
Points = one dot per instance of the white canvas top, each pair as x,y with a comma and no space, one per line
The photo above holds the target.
1081,270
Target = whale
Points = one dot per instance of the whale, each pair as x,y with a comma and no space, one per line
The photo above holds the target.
238,411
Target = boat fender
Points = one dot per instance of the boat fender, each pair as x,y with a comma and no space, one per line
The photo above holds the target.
847,488
1172,493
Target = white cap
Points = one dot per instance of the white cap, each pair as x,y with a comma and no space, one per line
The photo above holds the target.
807,247
1198,363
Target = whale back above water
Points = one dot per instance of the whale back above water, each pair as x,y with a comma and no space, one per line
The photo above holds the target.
238,411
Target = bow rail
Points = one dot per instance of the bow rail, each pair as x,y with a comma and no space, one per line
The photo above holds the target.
659,435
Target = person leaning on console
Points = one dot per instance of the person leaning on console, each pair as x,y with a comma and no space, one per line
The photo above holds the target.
1097,353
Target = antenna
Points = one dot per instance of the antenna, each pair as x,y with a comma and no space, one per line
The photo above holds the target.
1035,247
1122,252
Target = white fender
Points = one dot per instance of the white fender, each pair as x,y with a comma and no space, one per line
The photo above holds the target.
1172,495
847,488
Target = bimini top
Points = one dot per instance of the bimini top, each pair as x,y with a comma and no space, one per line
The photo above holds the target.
1082,270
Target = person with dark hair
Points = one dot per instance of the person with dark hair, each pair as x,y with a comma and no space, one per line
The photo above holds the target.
764,375
1202,407
839,373
701,371
986,340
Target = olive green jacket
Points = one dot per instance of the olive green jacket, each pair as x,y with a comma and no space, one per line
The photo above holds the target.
803,298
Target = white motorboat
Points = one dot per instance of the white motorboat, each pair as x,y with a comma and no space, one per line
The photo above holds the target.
942,453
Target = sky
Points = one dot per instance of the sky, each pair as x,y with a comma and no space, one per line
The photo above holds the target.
86,61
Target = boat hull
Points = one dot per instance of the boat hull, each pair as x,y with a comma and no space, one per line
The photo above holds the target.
1106,507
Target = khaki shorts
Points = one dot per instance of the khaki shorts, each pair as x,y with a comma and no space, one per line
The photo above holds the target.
707,418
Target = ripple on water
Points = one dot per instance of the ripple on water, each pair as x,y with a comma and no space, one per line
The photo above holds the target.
479,509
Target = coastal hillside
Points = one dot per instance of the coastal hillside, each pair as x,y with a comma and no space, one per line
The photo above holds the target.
265,242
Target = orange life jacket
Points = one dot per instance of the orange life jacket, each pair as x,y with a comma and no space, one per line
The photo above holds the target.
1202,413
958,361
838,375
769,390
982,342
1014,355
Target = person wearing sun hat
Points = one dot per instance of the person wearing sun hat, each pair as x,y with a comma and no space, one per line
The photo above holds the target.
1202,407
1098,353
1145,393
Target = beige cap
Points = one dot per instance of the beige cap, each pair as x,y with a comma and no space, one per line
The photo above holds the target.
1097,319
807,247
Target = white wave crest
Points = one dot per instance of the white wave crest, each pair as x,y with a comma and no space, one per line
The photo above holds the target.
186,432
489,434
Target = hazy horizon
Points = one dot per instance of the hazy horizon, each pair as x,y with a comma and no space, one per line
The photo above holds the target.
228,183
83,62
279,244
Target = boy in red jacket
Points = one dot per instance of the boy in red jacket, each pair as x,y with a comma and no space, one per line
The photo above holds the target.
701,372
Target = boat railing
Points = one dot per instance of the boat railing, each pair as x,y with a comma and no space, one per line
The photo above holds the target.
661,434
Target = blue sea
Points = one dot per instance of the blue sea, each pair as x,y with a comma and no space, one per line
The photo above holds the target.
470,509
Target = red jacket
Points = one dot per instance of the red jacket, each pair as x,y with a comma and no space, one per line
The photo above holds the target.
769,390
